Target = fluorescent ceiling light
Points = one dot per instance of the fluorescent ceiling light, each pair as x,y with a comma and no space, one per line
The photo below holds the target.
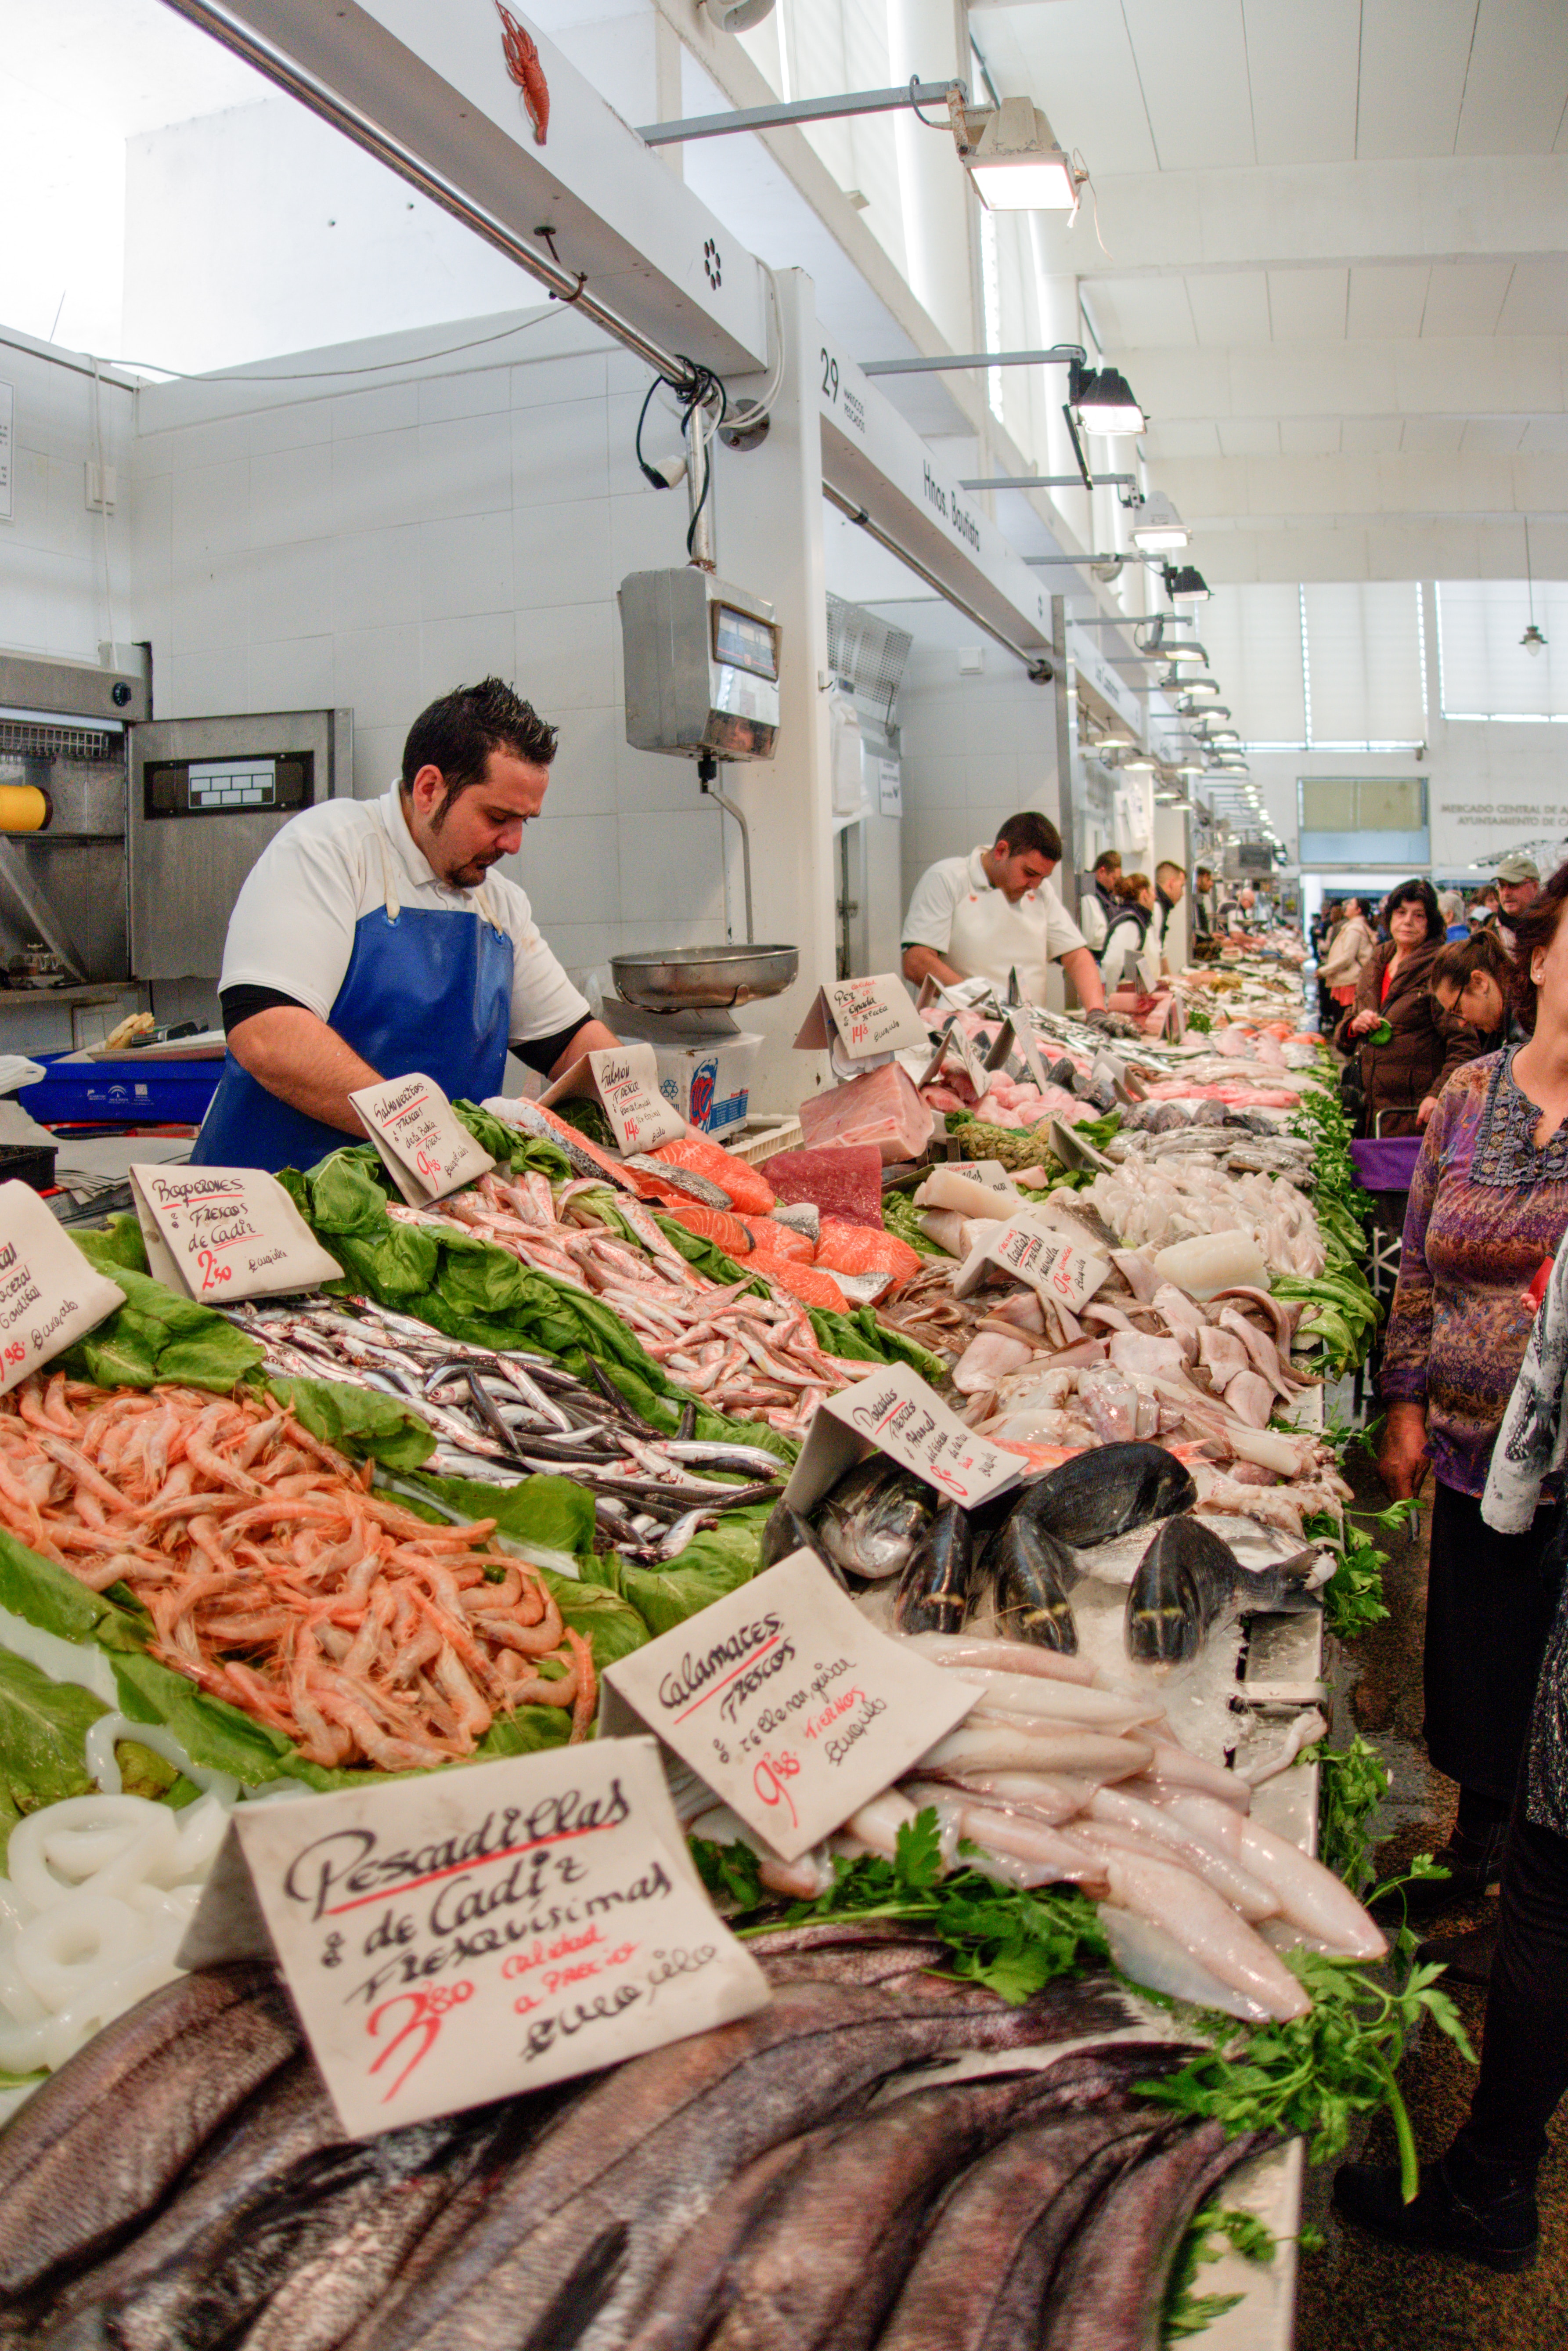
1183,581
1177,650
1192,689
1159,530
1103,399
1138,767
1224,735
1113,741
1011,153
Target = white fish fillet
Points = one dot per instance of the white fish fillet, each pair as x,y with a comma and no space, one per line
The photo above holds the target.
1015,1747
961,1649
1151,1957
1066,1702
1310,1894
1205,1924
1112,1808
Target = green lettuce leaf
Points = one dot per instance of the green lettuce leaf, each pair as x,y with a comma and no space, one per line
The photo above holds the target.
155,1335
357,1421
715,1562
43,1726
51,1598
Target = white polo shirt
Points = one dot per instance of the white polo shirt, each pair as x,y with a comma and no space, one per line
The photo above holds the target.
974,927
293,925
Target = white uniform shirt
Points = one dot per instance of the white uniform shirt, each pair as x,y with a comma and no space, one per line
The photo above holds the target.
293,925
972,925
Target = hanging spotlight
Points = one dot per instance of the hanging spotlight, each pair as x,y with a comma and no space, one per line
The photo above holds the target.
1532,640
1183,581
1224,735
1154,642
1158,528
1011,153
1141,765
1191,691
1105,402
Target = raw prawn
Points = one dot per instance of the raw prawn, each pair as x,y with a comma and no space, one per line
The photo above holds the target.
523,66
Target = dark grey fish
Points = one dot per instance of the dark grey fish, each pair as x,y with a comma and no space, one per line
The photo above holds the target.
197,2305
375,2224
872,1520
1031,1573
788,1532
74,2170
827,2262
655,2142
934,1590
289,2117
980,2280
1108,2288
1189,1578
676,2310
855,1963
1107,1492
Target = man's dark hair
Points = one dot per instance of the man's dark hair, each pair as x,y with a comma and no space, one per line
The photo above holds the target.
458,734
1206,873
1028,830
1108,862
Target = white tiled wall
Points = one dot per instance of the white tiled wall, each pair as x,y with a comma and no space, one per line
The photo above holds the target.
374,548
52,579
975,749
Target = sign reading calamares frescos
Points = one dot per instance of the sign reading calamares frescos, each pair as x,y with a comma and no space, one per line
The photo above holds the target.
788,1704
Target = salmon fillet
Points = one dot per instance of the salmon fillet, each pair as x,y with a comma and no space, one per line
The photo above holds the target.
747,1187
845,1248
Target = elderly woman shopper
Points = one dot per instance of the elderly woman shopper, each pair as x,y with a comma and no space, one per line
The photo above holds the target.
1403,1073
1489,1206
1347,953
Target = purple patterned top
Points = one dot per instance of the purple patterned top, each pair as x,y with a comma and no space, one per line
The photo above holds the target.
1478,1228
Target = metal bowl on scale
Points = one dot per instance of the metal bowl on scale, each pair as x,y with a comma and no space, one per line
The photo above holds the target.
698,979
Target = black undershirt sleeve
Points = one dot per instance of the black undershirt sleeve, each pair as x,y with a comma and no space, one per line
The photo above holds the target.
542,1053
243,1004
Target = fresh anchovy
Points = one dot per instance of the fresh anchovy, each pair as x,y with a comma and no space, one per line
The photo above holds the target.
130,2302
194,2049
979,2280
871,1520
1189,1578
934,1591
685,1530
1109,2284
1108,1491
1031,1573
681,1179
721,1455
650,2146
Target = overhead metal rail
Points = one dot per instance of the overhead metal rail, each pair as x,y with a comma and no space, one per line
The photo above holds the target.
287,73
801,109
1038,665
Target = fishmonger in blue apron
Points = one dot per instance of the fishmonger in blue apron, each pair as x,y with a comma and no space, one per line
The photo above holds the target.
372,937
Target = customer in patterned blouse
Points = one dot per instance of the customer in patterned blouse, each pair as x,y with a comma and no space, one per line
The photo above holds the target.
1489,1205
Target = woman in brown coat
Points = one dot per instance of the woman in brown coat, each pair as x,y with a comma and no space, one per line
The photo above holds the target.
1403,1077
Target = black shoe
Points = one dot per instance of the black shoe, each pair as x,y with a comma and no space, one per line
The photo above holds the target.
1473,1865
1468,1958
1498,2230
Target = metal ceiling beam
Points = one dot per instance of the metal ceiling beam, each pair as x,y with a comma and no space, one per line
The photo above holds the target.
916,93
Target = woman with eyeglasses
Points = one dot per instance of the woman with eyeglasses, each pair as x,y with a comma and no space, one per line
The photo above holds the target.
1404,1071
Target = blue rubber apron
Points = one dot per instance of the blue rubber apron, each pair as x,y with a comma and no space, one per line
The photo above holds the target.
423,991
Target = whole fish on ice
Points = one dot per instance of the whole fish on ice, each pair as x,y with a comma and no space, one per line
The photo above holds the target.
1189,1579
872,1519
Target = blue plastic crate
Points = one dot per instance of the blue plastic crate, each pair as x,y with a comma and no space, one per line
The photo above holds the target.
129,1091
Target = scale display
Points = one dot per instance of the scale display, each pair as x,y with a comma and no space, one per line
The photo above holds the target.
745,642
257,784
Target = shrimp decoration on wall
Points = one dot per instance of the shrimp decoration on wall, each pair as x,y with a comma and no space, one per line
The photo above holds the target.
523,66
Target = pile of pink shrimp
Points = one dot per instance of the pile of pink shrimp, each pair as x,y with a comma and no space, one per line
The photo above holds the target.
275,1579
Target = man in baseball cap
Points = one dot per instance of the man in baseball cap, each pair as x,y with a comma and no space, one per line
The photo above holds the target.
1518,885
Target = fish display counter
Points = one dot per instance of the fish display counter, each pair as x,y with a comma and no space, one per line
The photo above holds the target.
407,1526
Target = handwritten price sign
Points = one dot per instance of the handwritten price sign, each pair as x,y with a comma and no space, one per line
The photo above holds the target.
425,1147
229,1231
624,1080
864,1020
474,1933
787,1703
50,1294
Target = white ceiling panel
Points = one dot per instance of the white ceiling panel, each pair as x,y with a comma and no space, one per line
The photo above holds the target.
1385,304
1465,298
1230,306
1536,302
1302,63
1548,434
1414,54
1249,437
1192,68
1308,305
1435,435
1150,312
1517,87
1075,60
133,65
1310,437
1493,436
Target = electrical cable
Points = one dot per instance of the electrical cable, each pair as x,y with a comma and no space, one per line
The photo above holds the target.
103,506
